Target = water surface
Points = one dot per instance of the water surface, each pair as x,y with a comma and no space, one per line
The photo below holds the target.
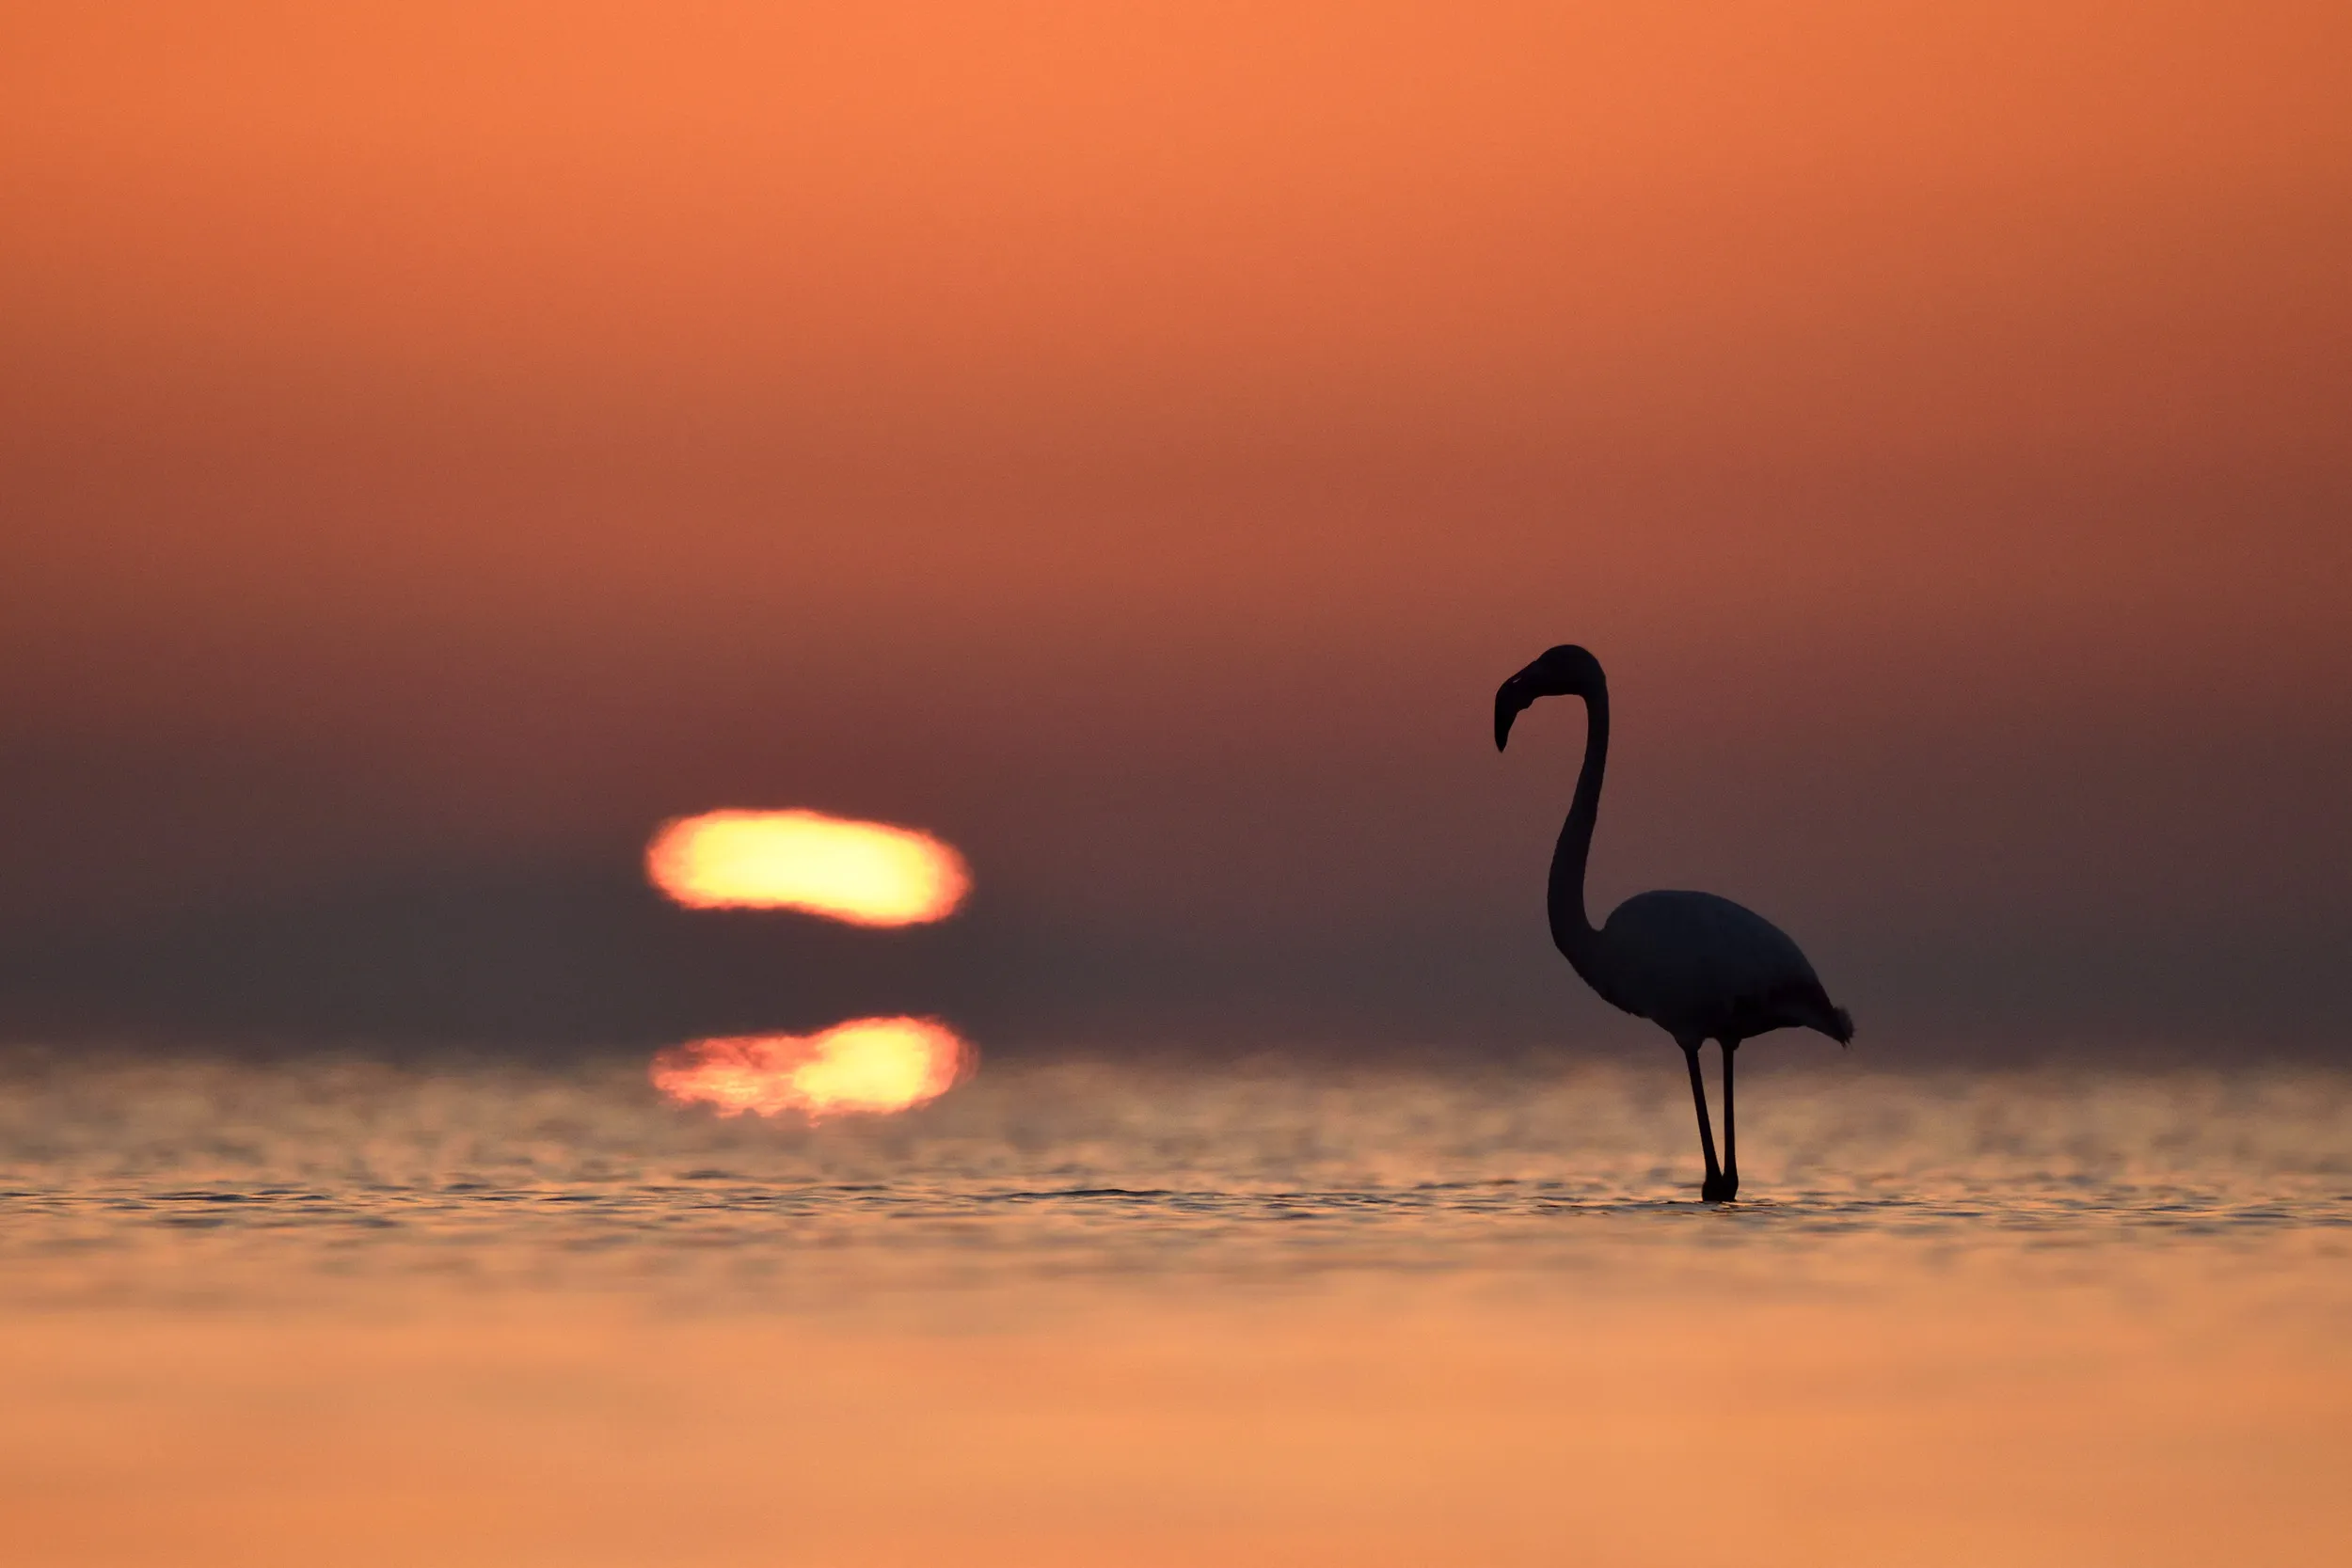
337,1310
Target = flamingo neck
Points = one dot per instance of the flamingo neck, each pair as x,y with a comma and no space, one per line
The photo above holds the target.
1571,929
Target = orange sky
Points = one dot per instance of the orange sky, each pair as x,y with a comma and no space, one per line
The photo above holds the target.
1133,440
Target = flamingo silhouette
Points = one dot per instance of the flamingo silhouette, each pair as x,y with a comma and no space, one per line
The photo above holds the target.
1699,967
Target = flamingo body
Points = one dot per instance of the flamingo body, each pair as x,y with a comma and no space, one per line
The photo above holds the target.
1702,967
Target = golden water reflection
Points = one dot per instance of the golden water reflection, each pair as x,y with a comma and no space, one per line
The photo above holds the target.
870,1065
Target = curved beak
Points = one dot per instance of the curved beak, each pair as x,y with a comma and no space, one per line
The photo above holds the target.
1513,698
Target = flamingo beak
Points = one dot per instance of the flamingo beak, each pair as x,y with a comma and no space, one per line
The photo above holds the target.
1512,700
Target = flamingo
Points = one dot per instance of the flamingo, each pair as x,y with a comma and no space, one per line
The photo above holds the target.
1698,966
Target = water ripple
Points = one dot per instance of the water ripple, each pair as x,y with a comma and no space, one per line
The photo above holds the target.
143,1173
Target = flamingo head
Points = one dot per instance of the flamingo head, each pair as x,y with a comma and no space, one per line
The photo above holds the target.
1567,671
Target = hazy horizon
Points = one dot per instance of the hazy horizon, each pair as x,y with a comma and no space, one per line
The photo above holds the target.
442,445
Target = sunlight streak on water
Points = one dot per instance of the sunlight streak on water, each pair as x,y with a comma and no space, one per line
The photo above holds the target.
873,1065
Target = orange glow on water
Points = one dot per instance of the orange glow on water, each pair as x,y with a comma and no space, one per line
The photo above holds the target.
870,1064
867,873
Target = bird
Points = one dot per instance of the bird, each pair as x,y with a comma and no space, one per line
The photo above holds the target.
1698,966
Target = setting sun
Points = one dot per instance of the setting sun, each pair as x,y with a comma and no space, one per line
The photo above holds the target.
870,1064
867,873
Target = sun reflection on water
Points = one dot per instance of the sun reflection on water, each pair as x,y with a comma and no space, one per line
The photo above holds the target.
875,1065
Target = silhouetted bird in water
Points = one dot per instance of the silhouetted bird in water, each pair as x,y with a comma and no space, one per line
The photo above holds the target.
1699,967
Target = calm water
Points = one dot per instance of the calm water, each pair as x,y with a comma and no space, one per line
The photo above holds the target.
348,1312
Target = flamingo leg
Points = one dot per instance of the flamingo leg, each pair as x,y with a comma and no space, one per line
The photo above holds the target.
1711,1189
1731,1125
